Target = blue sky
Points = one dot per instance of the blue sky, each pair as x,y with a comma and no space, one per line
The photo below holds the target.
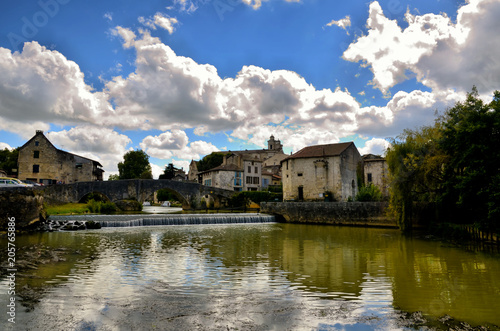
180,79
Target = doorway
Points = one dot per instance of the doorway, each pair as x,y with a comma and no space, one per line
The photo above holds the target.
301,193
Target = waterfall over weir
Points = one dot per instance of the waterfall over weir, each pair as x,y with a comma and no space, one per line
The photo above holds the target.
164,219
190,220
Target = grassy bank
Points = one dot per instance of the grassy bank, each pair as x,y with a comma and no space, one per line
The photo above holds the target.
68,209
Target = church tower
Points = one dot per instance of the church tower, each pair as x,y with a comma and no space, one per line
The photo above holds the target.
274,145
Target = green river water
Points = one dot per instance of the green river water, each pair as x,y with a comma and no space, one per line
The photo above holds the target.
268,276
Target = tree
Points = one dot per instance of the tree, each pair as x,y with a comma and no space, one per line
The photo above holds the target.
471,138
114,177
210,161
8,160
169,172
135,165
415,162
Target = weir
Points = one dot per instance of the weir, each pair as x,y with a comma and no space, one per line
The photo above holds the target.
177,219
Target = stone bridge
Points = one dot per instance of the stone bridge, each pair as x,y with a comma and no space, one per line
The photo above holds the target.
190,194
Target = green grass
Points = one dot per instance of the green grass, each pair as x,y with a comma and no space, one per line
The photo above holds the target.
68,209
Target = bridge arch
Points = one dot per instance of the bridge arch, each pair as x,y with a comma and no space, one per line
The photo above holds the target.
139,189
86,196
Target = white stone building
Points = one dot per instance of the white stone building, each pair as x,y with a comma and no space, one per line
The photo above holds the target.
321,172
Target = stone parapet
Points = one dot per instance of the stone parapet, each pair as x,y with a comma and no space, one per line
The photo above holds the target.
338,213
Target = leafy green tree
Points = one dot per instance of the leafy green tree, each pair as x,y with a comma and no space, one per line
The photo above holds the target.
210,161
8,160
135,165
471,138
114,177
169,172
415,162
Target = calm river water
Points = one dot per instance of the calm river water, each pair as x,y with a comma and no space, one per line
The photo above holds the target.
252,277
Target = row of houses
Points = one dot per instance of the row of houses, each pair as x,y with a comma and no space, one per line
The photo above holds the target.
320,172
248,170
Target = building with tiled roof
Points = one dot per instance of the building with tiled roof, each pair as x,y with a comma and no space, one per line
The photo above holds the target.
243,170
321,172
40,161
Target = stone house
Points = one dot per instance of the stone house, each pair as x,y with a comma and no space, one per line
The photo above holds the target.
243,170
321,172
40,161
228,176
376,171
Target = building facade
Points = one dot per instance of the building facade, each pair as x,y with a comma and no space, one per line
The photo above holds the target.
321,172
243,170
40,161
376,172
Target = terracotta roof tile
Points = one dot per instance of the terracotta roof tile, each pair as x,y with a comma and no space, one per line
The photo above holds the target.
320,151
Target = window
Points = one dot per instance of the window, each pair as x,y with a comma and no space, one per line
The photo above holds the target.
37,143
299,174
370,179
256,170
237,174
79,166
249,169
36,154
249,180
208,182
237,182
256,180
36,168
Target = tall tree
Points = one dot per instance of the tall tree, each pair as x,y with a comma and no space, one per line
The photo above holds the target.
8,160
135,165
471,138
169,172
415,163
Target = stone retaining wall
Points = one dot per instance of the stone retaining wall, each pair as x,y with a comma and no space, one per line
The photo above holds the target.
341,213
24,204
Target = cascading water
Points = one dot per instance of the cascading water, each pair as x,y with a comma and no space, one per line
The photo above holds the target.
177,219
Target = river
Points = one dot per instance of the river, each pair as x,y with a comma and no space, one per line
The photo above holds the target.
268,276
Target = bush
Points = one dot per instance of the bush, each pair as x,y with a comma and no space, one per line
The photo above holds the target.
243,199
369,193
108,207
98,207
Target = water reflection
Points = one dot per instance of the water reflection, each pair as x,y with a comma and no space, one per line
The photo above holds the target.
259,276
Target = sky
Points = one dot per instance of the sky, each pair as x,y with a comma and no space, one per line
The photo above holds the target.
180,79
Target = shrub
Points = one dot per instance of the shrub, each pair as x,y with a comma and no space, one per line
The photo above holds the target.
369,193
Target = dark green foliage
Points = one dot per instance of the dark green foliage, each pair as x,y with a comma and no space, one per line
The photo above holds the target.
453,164
243,199
135,165
210,161
471,138
369,193
8,161
98,207
169,172
114,177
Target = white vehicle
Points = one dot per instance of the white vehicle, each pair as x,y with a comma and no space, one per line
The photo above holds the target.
146,203
166,204
10,182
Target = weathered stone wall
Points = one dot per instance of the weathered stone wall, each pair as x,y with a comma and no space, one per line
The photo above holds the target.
25,204
378,171
341,213
53,164
316,176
